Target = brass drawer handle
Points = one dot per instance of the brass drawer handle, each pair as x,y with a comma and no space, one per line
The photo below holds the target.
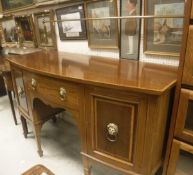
62,94
112,132
20,91
33,84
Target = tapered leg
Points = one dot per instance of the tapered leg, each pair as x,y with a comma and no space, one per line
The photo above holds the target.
12,106
87,168
24,125
37,131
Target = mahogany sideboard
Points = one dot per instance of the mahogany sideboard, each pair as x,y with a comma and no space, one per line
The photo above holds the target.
120,107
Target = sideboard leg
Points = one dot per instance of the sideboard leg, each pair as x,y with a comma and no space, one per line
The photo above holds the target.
12,106
37,131
87,168
24,126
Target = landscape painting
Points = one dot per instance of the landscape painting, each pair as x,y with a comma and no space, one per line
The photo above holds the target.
9,30
163,36
14,4
45,32
102,33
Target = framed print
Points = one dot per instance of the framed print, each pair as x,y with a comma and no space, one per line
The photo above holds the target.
102,33
130,29
26,30
15,4
163,36
69,30
9,31
45,32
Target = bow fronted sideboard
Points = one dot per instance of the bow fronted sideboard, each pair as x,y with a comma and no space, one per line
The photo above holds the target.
121,107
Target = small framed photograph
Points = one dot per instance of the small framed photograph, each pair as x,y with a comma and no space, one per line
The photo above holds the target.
130,29
163,36
102,33
15,4
45,30
71,30
9,31
26,30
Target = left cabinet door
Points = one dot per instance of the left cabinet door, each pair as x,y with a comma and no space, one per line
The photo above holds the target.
20,90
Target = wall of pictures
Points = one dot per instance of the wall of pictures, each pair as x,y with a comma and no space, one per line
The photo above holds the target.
81,47
102,38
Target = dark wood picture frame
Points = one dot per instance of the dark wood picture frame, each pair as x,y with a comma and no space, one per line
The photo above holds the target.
15,5
74,30
102,34
130,30
163,36
45,32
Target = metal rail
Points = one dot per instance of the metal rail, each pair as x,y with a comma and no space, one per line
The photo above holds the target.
118,17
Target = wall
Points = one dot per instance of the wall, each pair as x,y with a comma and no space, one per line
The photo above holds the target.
81,47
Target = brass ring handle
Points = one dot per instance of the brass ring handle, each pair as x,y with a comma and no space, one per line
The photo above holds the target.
20,91
62,94
33,84
112,132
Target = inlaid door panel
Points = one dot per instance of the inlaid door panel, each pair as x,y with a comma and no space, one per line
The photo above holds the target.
20,90
184,123
114,133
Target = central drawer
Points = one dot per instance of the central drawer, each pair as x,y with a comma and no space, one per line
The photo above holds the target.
54,91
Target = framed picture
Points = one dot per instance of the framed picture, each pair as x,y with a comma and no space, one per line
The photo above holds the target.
26,30
9,31
69,30
163,36
102,33
130,29
45,32
15,4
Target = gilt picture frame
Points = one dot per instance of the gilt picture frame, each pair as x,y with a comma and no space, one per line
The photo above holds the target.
130,29
163,36
9,31
45,29
26,31
102,34
71,30
10,5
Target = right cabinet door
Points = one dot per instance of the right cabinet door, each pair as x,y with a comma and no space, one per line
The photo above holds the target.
116,127
181,159
188,67
184,123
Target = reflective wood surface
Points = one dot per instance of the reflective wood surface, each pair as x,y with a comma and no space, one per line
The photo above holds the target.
105,72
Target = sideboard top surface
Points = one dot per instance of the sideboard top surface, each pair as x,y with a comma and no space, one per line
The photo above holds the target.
106,72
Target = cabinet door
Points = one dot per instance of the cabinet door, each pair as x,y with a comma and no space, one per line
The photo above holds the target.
20,90
116,127
181,159
188,67
184,123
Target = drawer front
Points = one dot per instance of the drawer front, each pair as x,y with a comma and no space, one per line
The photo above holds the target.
188,67
181,159
55,92
20,90
184,123
113,134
